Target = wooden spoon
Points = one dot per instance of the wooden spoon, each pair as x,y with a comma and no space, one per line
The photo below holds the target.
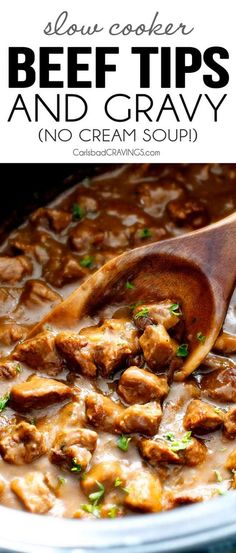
198,270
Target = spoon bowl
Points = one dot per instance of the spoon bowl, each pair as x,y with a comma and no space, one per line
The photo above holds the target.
197,270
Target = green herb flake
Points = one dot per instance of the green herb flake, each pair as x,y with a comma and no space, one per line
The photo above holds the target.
218,475
117,482
76,467
145,233
61,480
78,212
175,309
87,261
129,285
181,444
182,350
112,513
4,400
201,337
123,442
48,327
142,313
219,491
133,305
93,509
96,496
19,368
218,410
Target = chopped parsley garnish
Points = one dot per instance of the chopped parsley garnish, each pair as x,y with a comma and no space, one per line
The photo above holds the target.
61,481
201,337
112,513
4,401
93,509
133,305
129,285
78,212
175,309
179,445
48,327
123,442
96,496
218,475
18,368
142,313
145,233
117,482
218,410
87,261
182,350
219,491
76,467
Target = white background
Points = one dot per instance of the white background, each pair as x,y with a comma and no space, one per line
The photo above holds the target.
22,24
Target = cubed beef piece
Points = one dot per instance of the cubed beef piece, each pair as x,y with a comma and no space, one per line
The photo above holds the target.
21,443
76,350
38,392
226,343
144,492
230,423
62,267
156,313
32,491
73,450
157,346
13,269
40,353
106,346
57,219
158,451
194,454
9,369
144,419
102,412
11,332
220,384
175,499
140,386
191,213
86,234
201,417
36,294
231,461
106,473
155,195
8,299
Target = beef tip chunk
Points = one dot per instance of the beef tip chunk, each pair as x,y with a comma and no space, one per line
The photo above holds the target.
38,392
201,417
220,384
155,196
76,350
106,473
191,213
57,219
73,450
140,386
11,332
174,499
32,491
158,451
9,369
158,348
62,267
106,346
226,343
231,461
102,412
156,313
194,454
144,419
21,444
87,203
144,492
13,269
87,234
8,299
36,294
40,353
230,423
